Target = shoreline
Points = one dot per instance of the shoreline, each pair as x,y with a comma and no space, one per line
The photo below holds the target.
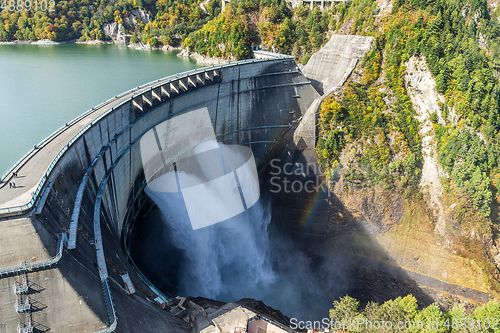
136,46
204,59
146,47
36,42
50,42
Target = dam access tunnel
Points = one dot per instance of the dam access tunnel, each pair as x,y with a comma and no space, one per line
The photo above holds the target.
91,194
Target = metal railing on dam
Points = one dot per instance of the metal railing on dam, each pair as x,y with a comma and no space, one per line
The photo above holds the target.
143,98
25,267
97,170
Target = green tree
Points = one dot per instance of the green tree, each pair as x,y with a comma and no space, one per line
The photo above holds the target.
345,310
134,38
441,83
480,192
488,314
433,319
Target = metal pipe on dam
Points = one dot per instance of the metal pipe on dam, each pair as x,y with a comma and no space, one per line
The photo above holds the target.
93,190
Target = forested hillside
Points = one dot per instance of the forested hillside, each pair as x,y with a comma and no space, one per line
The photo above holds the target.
460,42
170,21
271,23
373,123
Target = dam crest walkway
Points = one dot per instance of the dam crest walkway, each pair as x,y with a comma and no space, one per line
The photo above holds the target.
35,166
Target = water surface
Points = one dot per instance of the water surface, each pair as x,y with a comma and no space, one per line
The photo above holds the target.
44,86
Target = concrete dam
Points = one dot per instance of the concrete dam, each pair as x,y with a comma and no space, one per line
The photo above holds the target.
64,230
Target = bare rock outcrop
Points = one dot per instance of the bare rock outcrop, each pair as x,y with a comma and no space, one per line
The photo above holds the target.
115,31
130,21
141,15
421,88
377,210
385,7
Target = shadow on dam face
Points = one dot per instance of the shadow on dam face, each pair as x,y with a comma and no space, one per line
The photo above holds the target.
262,255
278,251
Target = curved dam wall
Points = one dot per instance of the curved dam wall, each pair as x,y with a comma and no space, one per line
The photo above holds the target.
95,189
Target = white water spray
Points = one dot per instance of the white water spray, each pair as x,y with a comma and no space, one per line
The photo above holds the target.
208,194
230,258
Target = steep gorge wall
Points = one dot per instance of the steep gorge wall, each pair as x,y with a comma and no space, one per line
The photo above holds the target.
418,236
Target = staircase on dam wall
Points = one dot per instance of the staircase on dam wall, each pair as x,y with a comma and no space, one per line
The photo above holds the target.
91,189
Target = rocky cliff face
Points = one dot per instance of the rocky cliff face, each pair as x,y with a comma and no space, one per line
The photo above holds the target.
114,31
385,7
141,15
202,59
421,88
130,21
374,209
423,231
138,13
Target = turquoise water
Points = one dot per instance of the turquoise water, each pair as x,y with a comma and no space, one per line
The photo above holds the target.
44,86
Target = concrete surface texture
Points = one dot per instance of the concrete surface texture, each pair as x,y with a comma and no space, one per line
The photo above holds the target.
258,326
250,103
300,195
25,239
326,67
218,320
